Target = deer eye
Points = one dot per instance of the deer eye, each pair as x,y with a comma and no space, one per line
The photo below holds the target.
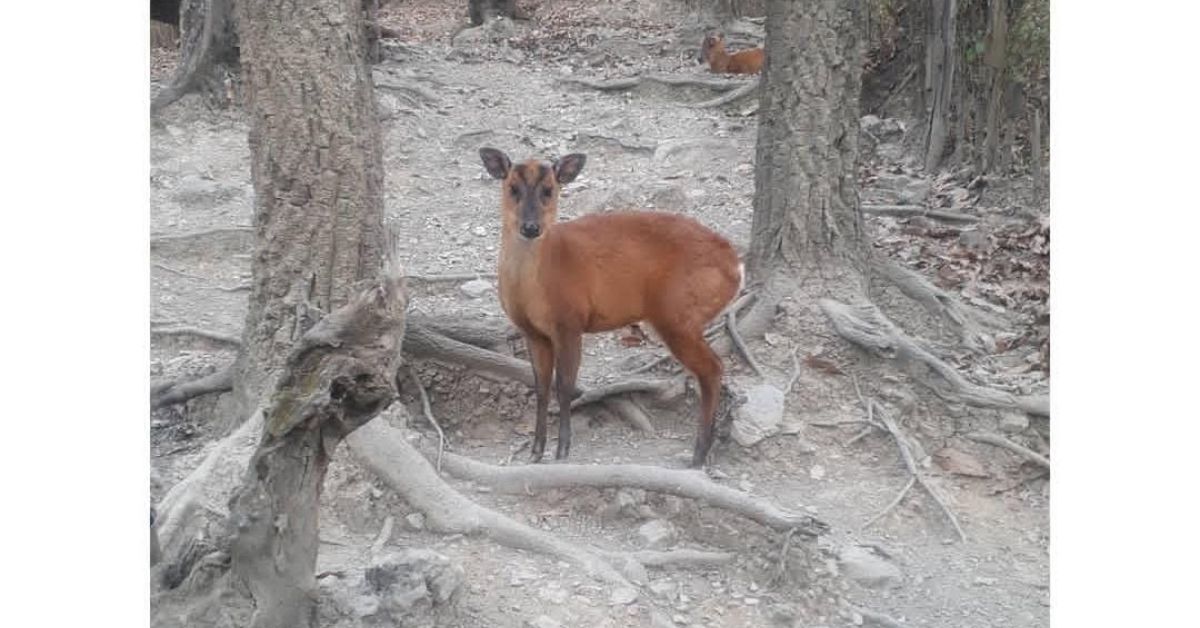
547,192
512,189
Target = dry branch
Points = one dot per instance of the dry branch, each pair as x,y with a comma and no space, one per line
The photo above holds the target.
1004,443
632,414
902,444
621,84
968,321
689,483
731,325
908,211
179,391
870,329
428,409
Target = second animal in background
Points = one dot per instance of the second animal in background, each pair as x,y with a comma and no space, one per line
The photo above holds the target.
712,52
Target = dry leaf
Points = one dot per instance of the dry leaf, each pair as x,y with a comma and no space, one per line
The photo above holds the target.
959,463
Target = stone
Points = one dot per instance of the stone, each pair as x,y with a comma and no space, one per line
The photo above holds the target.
664,589
634,571
760,416
543,621
476,288
867,568
656,534
623,596
408,579
1014,422
415,520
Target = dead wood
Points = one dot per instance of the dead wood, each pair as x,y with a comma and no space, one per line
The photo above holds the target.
914,472
909,211
631,413
178,391
731,326
689,483
338,376
968,322
1003,443
869,328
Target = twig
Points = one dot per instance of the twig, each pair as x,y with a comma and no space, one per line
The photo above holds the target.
863,433
724,99
196,331
169,393
912,479
412,372
731,325
1004,443
911,465
915,210
795,370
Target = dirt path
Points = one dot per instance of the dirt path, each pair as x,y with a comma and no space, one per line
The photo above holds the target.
645,148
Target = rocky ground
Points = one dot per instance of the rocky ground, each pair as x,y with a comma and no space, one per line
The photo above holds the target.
444,93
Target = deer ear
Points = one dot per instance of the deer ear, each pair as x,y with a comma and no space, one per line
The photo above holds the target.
496,162
567,168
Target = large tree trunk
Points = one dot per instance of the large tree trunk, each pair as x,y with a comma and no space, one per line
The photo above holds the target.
939,72
317,173
807,222
995,59
208,51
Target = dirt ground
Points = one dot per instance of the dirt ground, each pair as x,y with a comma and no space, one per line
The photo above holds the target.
647,148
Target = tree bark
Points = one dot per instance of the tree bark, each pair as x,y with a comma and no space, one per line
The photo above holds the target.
995,59
316,166
481,11
208,52
939,69
807,221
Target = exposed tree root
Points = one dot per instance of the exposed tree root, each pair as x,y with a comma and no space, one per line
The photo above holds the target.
902,444
196,331
414,93
731,325
179,391
592,395
1004,443
967,321
451,277
870,329
674,558
912,479
718,85
161,238
689,483
428,409
200,36
908,211
385,451
632,413
737,94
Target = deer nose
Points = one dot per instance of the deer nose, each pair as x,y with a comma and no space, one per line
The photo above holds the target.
530,230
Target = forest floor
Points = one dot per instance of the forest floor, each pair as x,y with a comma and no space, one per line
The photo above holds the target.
647,147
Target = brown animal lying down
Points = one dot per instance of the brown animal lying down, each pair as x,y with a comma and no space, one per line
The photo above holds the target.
712,52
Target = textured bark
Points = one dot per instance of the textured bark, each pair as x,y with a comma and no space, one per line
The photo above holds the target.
482,10
807,221
995,59
208,52
939,72
317,172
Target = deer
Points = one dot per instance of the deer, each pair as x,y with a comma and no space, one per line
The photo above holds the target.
602,272
712,52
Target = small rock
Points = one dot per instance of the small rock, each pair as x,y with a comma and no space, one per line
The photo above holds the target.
634,571
415,520
543,621
623,596
750,601
760,416
868,568
657,534
1014,422
664,588
476,288
408,580
817,472
679,619
479,231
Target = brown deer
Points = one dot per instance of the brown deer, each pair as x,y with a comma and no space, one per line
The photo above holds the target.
602,272
712,52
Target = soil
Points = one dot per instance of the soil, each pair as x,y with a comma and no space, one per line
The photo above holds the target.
508,94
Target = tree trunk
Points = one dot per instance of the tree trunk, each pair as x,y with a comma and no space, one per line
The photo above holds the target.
208,52
807,222
316,164
481,11
995,59
939,67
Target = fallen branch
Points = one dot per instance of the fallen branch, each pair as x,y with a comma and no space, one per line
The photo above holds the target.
907,211
196,331
1003,443
592,395
634,81
632,414
428,409
689,483
737,94
179,391
912,479
870,329
902,444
